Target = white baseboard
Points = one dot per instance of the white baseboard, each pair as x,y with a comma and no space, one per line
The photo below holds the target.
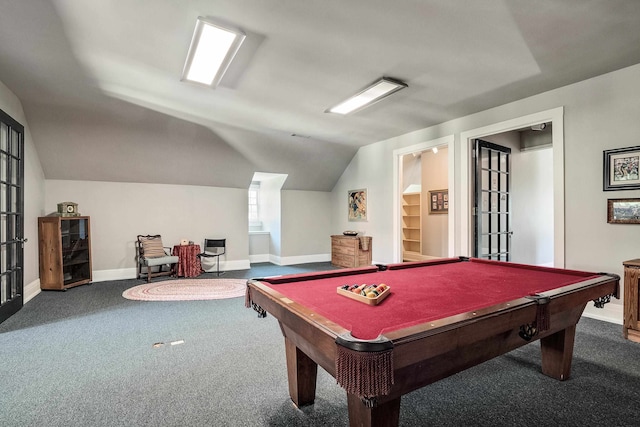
611,312
131,273
30,290
115,274
240,264
258,258
302,259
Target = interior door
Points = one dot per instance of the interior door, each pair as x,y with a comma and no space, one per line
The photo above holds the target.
11,215
492,201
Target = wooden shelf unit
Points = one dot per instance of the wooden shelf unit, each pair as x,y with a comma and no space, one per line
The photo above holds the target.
631,321
411,227
65,252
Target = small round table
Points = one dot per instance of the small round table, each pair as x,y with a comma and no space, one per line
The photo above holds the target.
189,263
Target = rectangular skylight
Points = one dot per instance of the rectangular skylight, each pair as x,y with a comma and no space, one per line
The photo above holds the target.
212,50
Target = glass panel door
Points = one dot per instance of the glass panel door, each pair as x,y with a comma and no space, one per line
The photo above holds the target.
492,210
11,215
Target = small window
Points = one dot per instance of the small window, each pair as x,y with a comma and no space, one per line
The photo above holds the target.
254,204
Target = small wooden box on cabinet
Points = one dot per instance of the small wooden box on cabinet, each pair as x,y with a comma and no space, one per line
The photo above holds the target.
349,252
631,322
64,246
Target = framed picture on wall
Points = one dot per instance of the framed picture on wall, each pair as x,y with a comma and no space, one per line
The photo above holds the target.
438,201
621,169
357,204
623,211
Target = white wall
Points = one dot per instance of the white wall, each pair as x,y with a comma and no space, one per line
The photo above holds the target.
259,246
306,226
371,169
121,211
33,194
533,207
271,213
599,114
411,171
435,226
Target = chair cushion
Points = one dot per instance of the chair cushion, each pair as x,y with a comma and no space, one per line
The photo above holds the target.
152,262
152,248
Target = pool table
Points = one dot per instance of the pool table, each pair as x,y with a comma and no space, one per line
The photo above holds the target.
440,317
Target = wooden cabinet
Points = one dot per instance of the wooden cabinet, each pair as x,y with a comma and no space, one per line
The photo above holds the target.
631,324
350,251
411,227
64,251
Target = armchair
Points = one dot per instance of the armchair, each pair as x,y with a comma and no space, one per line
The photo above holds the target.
151,254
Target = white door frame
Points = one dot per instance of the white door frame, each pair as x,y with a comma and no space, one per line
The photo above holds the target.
397,190
556,117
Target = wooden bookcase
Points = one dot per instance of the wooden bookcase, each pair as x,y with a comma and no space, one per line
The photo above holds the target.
64,251
631,323
411,227
350,252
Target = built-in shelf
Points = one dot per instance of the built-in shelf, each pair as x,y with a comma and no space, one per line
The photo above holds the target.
411,227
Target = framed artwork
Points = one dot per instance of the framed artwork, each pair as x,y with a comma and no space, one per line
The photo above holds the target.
438,201
623,211
621,169
357,204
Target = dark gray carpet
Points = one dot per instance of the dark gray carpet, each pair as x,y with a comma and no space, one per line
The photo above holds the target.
86,357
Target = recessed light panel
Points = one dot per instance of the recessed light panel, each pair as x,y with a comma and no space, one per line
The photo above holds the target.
372,94
212,50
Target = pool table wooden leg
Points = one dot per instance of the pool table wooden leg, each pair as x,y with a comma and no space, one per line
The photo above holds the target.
382,415
302,372
557,352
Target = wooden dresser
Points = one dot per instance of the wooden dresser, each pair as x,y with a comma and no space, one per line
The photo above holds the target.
631,322
350,252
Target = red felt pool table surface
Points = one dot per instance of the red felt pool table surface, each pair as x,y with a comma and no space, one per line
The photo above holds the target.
420,295
441,317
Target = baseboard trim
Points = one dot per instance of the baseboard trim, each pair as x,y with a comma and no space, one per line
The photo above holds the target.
253,259
302,259
612,313
131,273
240,264
30,290
115,274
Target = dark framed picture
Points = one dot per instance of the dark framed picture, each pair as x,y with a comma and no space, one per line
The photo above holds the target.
357,204
621,169
438,201
623,211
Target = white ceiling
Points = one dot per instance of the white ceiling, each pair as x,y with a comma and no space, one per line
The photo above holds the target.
100,79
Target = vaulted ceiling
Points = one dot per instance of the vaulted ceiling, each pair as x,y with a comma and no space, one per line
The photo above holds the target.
99,80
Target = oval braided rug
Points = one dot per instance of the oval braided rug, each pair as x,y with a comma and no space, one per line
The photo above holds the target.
187,289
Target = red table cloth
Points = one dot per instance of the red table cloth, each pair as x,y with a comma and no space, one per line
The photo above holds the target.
189,263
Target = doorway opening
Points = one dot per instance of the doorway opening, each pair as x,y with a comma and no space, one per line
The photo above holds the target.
424,198
534,203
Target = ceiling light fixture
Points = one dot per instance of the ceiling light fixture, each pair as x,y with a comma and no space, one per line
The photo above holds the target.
211,51
372,94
